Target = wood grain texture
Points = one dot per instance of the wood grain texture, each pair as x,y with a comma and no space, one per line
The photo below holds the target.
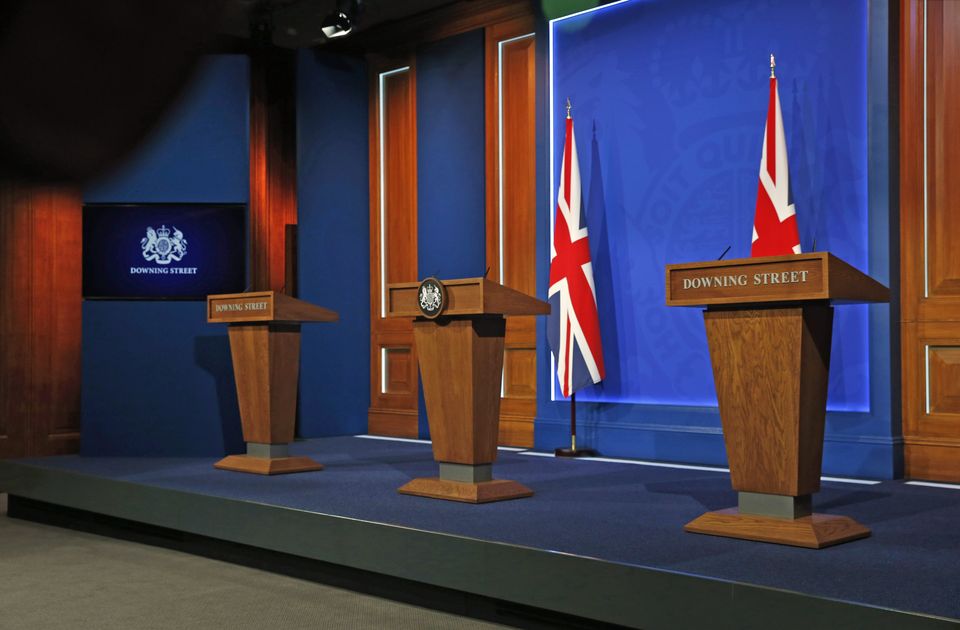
943,152
460,364
466,296
402,423
929,226
266,365
273,164
264,466
398,367
40,311
813,532
392,412
510,106
770,368
290,233
944,368
931,418
912,190
932,460
265,306
483,492
793,278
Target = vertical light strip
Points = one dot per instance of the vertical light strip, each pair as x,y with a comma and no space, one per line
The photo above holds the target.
550,208
926,274
500,204
383,370
926,363
381,127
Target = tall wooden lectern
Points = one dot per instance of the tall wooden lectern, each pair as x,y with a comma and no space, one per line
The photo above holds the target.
458,331
769,323
265,346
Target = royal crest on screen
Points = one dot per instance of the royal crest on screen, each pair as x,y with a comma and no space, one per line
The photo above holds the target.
163,247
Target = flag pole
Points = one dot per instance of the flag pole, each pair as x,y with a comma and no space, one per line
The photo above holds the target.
573,451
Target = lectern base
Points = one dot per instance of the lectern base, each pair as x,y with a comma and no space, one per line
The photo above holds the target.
483,492
265,466
814,532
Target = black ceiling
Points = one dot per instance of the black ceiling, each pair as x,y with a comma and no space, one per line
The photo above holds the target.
296,23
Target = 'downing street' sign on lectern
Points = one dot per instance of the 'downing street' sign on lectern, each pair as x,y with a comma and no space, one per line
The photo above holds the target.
458,331
264,329
769,324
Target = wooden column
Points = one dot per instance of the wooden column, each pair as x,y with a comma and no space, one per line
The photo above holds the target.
511,208
929,232
40,307
273,163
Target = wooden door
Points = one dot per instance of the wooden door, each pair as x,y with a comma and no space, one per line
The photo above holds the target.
511,209
394,383
510,202
930,237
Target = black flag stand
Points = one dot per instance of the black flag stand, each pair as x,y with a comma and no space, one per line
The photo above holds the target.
573,451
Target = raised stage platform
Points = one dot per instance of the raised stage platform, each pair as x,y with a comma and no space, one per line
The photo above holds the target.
600,540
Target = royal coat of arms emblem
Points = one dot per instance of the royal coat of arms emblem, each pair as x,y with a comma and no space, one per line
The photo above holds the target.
163,247
431,297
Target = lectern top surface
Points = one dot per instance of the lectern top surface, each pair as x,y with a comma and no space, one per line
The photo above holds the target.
466,296
793,278
264,306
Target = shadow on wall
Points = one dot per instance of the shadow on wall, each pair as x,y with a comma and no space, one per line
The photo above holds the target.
212,354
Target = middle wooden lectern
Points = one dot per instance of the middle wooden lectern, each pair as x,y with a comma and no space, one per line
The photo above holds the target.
458,332
769,324
265,346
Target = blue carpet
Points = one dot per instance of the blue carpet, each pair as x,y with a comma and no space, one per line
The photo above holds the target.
618,512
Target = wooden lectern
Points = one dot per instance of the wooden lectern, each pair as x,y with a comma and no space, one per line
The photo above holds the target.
458,331
769,323
265,344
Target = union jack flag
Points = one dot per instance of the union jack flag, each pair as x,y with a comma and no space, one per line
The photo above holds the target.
573,327
775,221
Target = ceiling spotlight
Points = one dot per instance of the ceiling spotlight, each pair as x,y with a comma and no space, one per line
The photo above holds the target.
337,24
341,22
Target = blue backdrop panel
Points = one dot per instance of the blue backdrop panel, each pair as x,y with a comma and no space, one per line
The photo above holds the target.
670,100
451,193
334,245
195,152
157,379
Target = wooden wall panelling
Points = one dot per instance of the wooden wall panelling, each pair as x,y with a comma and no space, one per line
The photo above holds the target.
273,164
40,308
929,232
394,384
511,208
447,21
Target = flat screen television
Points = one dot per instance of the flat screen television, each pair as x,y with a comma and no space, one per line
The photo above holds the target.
163,250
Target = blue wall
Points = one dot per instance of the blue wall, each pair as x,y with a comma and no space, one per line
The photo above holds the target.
157,379
451,163
334,245
669,102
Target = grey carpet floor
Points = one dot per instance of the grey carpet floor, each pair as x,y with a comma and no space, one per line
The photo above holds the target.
52,578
